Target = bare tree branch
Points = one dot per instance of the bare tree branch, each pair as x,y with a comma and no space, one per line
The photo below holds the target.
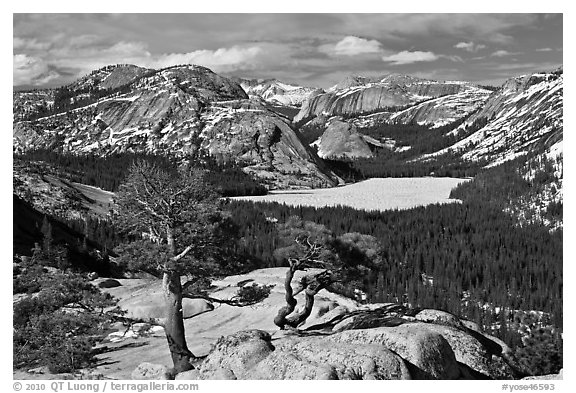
183,253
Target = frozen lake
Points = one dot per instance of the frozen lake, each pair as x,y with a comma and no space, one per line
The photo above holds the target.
373,194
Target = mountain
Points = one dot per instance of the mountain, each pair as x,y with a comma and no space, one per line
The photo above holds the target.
524,115
395,98
276,92
38,102
177,111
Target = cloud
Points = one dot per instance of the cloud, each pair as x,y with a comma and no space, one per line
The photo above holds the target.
29,44
544,50
222,58
487,28
81,60
469,46
407,57
31,71
503,53
454,58
352,46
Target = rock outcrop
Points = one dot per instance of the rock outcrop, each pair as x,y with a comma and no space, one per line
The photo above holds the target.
254,355
266,146
412,350
341,140
341,340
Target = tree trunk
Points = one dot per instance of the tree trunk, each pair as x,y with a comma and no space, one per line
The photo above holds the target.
280,319
300,317
313,285
174,325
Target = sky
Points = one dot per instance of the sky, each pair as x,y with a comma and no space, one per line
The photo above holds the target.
307,49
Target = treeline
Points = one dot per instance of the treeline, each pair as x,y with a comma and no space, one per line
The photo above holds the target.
108,172
389,164
435,256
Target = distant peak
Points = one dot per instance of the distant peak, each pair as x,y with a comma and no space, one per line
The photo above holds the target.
350,81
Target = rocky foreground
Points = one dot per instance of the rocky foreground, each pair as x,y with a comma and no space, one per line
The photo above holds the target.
342,339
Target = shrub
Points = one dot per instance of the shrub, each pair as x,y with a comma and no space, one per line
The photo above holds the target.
59,325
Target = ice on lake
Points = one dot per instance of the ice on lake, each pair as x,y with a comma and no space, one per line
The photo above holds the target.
373,194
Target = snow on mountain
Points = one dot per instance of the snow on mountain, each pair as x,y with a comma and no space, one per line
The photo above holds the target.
524,115
443,110
276,92
395,98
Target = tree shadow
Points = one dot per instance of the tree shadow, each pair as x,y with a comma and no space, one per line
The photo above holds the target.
107,349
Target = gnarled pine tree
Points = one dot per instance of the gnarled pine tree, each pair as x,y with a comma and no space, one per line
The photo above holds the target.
175,223
305,245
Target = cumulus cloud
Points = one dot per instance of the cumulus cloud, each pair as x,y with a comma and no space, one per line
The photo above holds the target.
83,59
222,59
469,46
352,46
407,57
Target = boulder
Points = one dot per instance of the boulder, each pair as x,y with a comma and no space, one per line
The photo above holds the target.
439,317
311,358
480,355
428,353
236,354
151,371
252,355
